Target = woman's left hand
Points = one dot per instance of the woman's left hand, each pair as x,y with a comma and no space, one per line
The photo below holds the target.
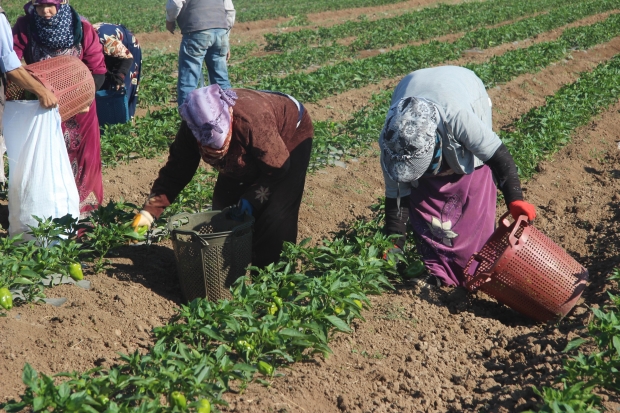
518,208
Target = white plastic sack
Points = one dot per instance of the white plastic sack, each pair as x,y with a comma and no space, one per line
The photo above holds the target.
41,181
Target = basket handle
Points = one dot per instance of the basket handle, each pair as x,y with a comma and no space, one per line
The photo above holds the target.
176,218
474,280
512,239
193,234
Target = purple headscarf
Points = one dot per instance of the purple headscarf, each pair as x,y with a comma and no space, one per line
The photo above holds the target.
206,112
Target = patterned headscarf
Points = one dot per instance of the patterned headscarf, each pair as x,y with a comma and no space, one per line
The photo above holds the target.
206,112
409,139
57,31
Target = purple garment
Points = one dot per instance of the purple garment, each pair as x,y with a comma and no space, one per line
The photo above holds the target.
206,112
453,216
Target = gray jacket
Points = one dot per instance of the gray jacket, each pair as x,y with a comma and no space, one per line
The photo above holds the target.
465,109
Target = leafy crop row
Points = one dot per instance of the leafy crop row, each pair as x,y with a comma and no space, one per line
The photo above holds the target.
27,267
415,26
331,139
146,16
158,82
340,77
151,135
146,137
584,374
291,310
542,130
410,27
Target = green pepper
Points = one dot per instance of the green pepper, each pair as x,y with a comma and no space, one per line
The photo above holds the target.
278,301
338,309
103,400
244,345
265,368
273,308
203,406
6,299
75,271
177,399
358,303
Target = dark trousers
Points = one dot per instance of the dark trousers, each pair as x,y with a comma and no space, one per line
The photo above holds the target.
277,221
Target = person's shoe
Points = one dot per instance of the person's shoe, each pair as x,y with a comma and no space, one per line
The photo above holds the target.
427,281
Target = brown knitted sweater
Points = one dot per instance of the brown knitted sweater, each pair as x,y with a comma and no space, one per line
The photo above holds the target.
264,134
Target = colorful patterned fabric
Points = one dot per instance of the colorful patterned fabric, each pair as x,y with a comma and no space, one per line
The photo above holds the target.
408,138
57,31
119,45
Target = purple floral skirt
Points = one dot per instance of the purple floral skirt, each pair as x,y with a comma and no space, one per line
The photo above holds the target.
453,216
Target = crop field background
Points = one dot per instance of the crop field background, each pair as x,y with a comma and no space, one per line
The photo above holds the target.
333,327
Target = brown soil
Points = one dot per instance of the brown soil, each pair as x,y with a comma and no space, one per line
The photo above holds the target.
436,351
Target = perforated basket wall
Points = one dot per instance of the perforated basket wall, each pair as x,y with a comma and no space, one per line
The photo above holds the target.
67,77
211,252
525,270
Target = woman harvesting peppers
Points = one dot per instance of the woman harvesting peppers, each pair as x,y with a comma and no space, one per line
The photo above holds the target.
260,143
440,157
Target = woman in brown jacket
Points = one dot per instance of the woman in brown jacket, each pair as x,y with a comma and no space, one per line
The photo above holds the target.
260,142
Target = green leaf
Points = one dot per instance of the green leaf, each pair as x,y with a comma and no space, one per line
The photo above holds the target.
616,341
29,376
23,280
573,344
338,323
289,332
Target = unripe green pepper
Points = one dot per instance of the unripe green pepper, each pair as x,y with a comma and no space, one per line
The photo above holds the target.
103,400
177,399
278,301
265,368
203,406
273,308
358,303
75,271
338,310
244,345
6,299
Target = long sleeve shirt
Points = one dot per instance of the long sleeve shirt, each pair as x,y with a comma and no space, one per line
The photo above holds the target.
173,8
264,134
8,58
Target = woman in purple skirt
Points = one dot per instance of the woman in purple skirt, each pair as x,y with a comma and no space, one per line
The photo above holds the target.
441,161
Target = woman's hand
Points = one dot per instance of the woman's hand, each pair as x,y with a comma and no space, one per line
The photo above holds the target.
47,99
518,208
142,219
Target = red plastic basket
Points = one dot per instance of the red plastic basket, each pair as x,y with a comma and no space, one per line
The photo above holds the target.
67,77
522,268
